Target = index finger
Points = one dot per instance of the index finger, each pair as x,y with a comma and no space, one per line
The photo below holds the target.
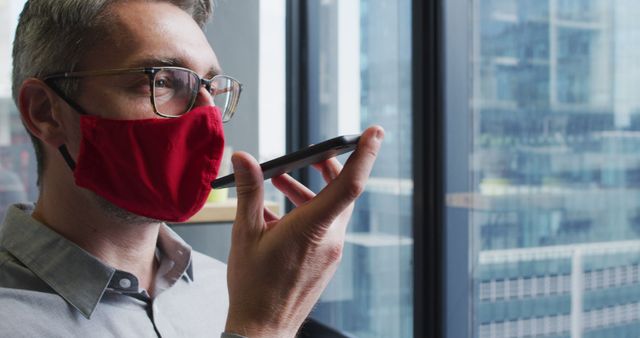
348,185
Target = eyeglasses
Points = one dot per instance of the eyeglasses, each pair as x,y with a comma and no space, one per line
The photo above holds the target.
173,89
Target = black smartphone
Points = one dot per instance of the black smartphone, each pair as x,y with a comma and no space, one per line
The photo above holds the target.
299,159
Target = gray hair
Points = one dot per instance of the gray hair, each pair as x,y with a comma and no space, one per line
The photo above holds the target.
53,35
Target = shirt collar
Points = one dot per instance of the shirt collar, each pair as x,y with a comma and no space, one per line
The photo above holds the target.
77,276
175,249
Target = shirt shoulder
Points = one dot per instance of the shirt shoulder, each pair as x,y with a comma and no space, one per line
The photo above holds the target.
27,313
208,268
199,305
26,301
207,262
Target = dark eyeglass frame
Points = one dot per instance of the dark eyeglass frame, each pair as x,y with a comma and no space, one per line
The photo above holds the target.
151,73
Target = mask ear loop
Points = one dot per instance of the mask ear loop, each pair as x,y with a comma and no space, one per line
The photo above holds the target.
64,151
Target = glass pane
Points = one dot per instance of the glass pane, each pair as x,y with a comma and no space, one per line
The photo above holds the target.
272,78
553,198
359,59
17,162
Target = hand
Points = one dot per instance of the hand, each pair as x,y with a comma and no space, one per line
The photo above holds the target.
278,267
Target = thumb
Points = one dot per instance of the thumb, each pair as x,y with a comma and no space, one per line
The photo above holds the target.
250,191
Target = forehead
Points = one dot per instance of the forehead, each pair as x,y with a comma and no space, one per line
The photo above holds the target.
139,32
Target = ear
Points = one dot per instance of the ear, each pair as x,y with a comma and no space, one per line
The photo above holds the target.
38,105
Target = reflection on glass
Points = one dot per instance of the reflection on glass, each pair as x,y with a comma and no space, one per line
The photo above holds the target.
360,75
554,201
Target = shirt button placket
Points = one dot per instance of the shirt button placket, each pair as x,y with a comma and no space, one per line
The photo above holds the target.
153,316
162,325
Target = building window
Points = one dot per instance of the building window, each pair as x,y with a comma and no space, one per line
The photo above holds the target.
359,74
543,161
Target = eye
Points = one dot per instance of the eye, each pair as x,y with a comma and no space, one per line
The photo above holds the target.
163,83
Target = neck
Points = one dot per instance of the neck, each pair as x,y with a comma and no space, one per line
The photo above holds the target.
125,245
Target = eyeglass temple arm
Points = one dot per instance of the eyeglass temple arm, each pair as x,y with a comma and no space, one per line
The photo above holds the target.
64,97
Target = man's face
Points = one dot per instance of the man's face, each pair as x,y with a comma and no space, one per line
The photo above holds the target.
141,34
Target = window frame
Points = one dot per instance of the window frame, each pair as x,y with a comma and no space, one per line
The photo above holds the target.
428,169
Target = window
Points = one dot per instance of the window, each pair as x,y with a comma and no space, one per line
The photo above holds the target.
17,161
542,158
359,74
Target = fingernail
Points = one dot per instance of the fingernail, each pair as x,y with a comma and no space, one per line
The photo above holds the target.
379,134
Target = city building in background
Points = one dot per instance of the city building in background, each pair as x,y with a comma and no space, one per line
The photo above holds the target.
360,74
554,200
17,161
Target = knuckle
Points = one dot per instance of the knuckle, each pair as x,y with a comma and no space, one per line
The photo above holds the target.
371,152
335,252
247,189
354,189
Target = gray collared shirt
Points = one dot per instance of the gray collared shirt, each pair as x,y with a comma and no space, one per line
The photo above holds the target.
50,287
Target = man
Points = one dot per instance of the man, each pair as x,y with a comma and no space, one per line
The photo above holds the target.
122,99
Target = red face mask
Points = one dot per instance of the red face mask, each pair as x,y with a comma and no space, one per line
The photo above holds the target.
159,168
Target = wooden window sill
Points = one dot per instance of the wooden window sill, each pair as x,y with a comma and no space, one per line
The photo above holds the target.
223,212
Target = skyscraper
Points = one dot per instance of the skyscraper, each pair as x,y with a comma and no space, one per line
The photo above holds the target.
554,202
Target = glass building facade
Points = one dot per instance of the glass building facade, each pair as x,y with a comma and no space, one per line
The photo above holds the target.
554,168
360,74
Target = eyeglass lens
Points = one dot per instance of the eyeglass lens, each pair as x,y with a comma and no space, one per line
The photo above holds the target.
175,91
225,94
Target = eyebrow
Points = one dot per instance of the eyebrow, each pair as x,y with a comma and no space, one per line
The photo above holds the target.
170,62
